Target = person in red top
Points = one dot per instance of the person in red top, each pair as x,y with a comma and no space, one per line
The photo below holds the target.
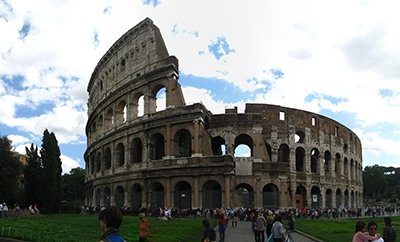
143,228
361,235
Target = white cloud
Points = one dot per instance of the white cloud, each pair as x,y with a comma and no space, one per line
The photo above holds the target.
350,57
68,163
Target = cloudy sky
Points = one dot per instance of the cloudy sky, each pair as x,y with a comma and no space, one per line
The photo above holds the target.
337,58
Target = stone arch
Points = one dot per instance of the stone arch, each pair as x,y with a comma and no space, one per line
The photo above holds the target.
346,198
159,93
136,150
270,196
137,107
98,161
328,198
245,195
183,195
107,197
100,124
314,160
352,199
92,163
212,194
157,195
299,137
218,145
119,197
107,158
157,146
346,168
183,143
315,197
351,169
301,197
136,197
121,112
120,154
244,139
337,163
300,154
109,119
97,197
339,197
327,160
283,153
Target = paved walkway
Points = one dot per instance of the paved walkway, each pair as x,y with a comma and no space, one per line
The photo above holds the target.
243,233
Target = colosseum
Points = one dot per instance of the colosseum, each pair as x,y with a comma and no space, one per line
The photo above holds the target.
142,152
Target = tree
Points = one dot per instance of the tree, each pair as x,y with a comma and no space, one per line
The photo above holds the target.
10,170
33,177
73,189
50,153
375,183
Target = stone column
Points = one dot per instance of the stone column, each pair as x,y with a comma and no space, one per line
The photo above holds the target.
195,147
168,143
196,193
168,192
227,202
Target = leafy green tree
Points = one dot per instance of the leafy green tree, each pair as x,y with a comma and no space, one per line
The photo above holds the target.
33,177
73,189
10,171
375,182
50,153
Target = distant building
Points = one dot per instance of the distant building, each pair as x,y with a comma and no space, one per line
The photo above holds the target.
139,155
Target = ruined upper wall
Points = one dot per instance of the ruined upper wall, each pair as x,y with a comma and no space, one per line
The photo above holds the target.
316,124
139,51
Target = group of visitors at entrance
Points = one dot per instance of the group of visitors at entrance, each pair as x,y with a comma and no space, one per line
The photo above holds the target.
369,233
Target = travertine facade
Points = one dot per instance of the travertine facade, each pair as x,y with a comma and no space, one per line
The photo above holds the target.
184,156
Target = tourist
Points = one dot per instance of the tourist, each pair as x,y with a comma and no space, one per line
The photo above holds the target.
110,219
360,234
389,233
235,219
277,229
143,228
221,227
261,224
372,228
270,221
208,232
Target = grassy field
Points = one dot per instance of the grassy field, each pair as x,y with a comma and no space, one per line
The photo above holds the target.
334,230
68,227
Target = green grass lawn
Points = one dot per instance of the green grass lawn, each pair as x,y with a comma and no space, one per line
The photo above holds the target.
82,228
334,230
71,227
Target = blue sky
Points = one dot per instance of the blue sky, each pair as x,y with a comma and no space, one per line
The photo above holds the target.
338,58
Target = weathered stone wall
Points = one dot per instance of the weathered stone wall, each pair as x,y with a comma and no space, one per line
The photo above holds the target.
185,156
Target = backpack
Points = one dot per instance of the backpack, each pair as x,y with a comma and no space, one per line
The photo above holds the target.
212,235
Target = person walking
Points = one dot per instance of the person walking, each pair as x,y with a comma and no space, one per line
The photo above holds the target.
389,233
221,227
110,220
277,229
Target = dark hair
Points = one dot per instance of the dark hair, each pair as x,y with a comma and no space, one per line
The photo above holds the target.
112,216
205,223
359,226
278,218
371,223
388,221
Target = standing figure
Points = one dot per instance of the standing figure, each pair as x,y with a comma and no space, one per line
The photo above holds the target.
110,219
261,224
389,233
221,227
143,228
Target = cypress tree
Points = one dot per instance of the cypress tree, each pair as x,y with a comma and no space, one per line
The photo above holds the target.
50,153
33,177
